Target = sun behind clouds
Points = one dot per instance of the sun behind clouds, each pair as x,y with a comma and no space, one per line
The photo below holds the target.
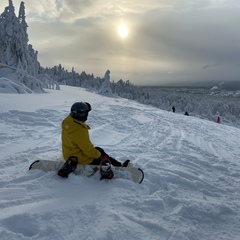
122,30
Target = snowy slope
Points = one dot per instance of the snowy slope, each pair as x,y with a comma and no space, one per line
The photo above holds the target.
192,167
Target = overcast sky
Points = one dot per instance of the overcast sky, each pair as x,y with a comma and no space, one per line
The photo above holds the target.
163,41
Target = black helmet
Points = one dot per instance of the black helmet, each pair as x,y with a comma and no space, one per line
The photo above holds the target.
79,111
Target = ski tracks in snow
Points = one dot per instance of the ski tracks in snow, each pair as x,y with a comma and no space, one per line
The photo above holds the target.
180,154
39,131
183,157
190,190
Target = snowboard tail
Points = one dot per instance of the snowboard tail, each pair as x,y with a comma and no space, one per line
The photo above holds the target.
131,173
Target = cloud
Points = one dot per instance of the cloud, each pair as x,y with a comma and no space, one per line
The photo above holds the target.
168,40
211,65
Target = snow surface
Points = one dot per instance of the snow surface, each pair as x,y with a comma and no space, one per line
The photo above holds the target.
192,173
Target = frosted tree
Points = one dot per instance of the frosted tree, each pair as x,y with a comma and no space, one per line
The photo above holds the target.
23,32
22,20
32,62
105,88
8,23
30,56
14,41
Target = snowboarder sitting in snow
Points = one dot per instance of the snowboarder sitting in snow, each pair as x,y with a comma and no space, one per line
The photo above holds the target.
76,145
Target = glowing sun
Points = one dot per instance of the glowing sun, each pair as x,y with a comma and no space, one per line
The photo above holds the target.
122,30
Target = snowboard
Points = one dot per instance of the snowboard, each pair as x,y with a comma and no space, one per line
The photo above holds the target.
131,173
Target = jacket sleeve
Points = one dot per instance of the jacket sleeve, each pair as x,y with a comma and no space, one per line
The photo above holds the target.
84,143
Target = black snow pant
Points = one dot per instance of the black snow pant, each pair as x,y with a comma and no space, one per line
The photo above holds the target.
97,161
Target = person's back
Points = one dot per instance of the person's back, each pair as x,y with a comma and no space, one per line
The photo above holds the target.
76,142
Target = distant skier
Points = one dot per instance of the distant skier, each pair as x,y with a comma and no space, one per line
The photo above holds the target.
218,120
76,145
173,109
186,113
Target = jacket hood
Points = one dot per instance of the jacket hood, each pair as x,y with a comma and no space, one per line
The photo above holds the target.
69,124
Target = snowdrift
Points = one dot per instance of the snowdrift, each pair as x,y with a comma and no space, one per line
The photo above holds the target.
8,86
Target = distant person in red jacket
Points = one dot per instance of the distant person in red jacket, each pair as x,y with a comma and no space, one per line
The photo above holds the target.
218,119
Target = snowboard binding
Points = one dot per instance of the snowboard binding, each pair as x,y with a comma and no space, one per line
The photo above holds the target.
126,163
105,168
69,166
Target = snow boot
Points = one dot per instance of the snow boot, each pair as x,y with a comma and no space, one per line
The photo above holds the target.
105,168
69,166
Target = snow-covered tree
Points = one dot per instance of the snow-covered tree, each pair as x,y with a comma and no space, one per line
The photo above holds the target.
15,50
106,88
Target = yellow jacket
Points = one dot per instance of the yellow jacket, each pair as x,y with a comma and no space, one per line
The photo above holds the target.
76,141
